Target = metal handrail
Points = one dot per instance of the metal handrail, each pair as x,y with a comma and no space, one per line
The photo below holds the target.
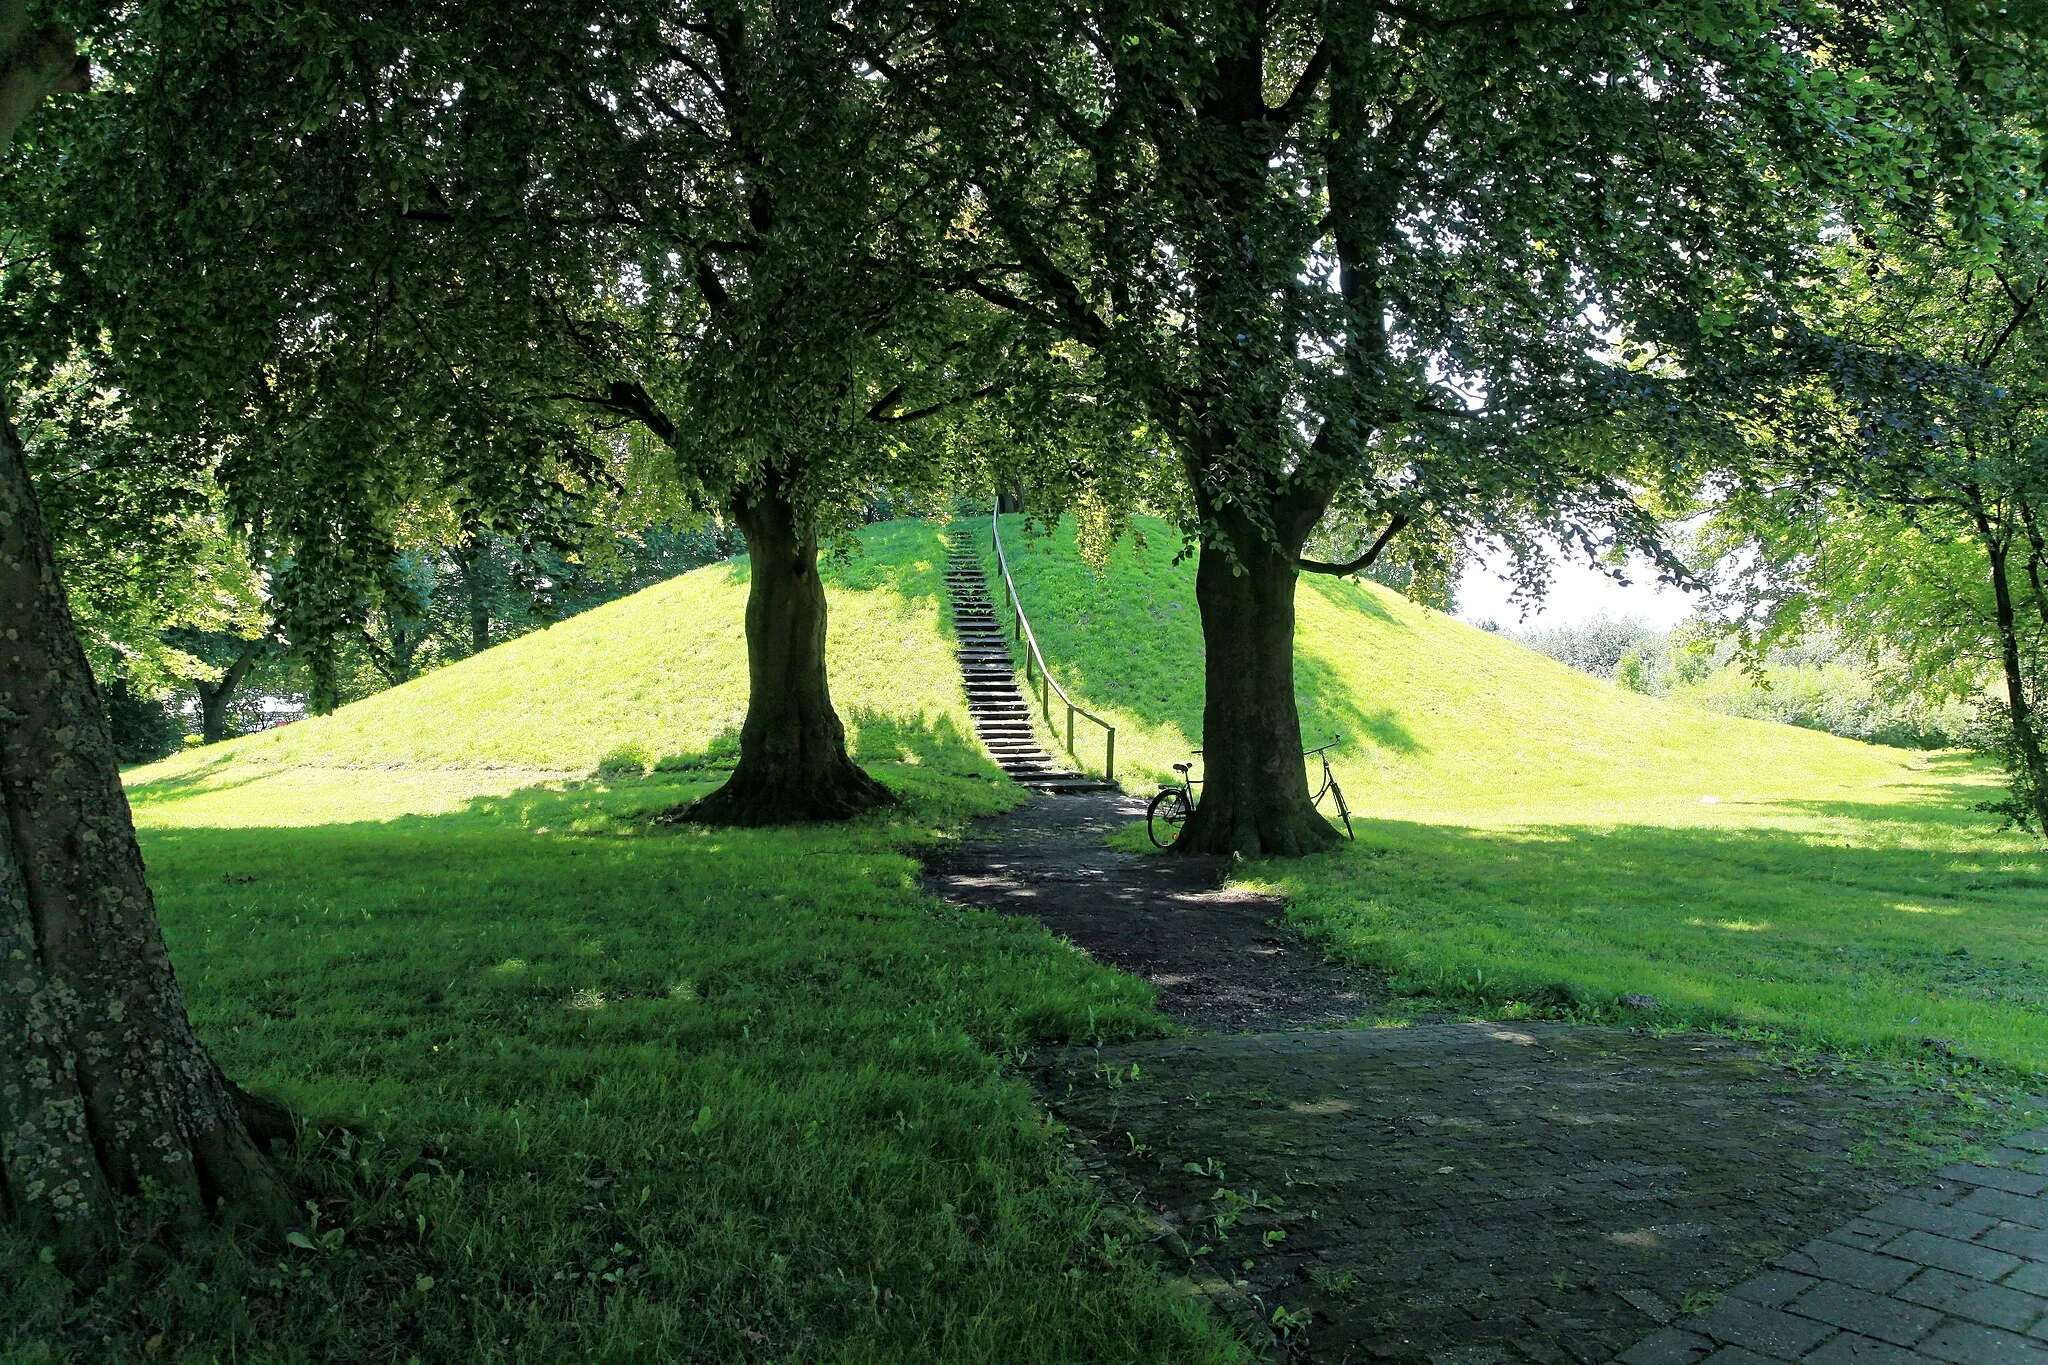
1043,677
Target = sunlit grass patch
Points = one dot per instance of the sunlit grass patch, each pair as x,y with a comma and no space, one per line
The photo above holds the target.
613,1090
1536,838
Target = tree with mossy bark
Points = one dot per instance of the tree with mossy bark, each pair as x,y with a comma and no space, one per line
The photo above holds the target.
1430,265
105,1091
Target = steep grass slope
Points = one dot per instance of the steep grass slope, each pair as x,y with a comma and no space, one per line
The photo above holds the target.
1438,719
1537,837
656,678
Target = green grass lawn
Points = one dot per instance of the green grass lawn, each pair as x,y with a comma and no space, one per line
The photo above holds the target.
590,1088
1538,838
595,1089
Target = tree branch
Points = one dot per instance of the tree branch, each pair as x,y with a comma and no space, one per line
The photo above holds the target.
1364,561
1289,111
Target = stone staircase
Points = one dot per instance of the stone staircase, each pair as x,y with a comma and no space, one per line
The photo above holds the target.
1002,716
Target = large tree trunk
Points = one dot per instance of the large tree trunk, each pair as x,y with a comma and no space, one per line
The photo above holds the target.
793,760
1254,795
103,1085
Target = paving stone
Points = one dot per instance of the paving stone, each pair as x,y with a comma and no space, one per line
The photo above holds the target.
2027,1243
1943,1192
1667,1346
2031,1279
1860,1311
1832,1261
2000,1204
1986,1263
1996,1305
1865,1233
1649,1305
1736,1355
1773,1288
1966,1343
1738,1323
2022,1183
1846,1348
1910,1212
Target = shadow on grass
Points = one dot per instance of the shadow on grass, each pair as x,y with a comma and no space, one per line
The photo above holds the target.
206,777
1876,943
1131,638
567,1038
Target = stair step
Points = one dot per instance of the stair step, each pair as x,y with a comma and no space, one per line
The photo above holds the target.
988,672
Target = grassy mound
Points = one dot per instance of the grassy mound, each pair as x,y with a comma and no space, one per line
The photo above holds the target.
587,1088
1539,838
658,679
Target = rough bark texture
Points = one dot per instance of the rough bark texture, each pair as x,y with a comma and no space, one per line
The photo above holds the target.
1254,797
793,761
103,1085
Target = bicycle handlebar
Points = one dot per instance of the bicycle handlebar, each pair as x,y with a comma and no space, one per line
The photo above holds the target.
1311,753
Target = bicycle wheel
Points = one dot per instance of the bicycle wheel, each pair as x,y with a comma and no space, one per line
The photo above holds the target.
1167,813
1342,809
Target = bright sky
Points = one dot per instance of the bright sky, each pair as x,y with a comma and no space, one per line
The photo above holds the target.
1577,593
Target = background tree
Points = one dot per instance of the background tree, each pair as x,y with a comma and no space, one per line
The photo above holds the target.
161,587
1911,493
528,251
1430,264
1897,471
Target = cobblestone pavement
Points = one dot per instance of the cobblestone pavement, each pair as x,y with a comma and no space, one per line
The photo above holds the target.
1953,1270
1469,1193
1465,1194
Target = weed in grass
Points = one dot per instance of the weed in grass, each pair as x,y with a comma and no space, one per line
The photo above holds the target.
1339,1282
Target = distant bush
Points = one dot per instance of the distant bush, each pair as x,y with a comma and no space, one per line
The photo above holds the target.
1597,646
1818,684
1834,697
143,729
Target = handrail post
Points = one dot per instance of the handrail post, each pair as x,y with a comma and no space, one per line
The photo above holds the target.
1109,756
1070,728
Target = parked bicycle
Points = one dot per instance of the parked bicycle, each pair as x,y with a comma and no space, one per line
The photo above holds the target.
1176,801
1172,807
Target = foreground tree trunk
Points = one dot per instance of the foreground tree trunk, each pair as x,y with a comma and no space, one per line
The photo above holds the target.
103,1085
1254,796
793,760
